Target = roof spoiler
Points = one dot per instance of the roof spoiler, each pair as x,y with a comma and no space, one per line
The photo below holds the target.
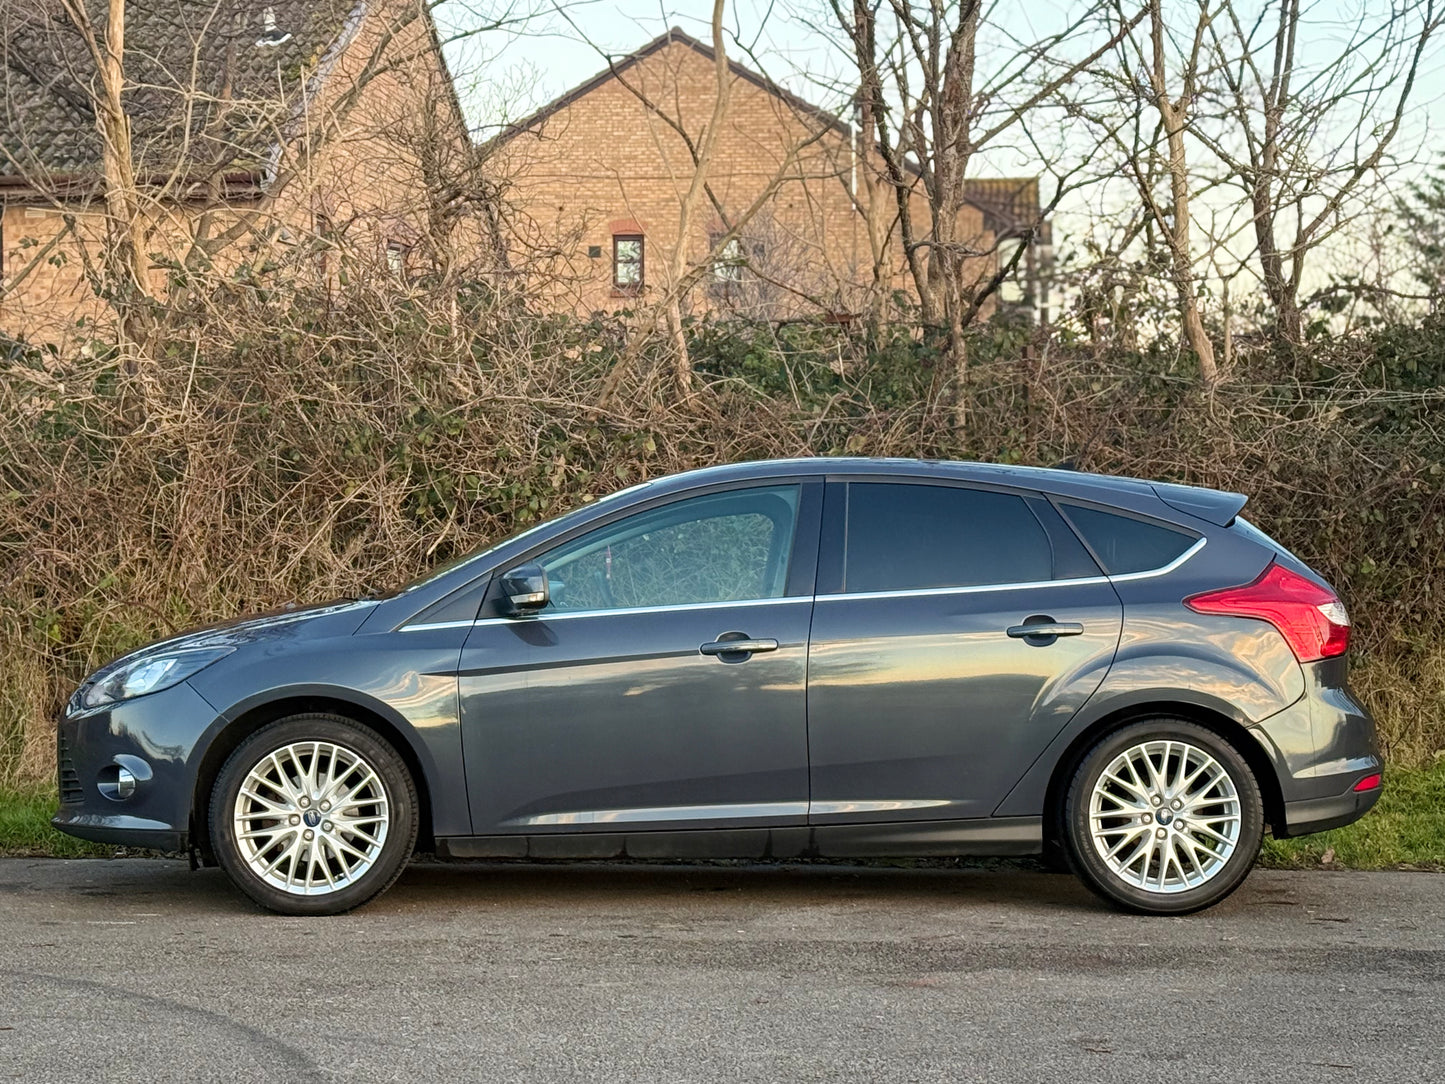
1211,505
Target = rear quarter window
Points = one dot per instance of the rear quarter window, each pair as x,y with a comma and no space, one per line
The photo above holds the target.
1124,544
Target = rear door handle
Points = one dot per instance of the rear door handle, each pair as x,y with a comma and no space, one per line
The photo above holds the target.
1042,631
737,645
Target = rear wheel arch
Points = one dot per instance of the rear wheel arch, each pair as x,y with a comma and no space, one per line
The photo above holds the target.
1249,747
230,738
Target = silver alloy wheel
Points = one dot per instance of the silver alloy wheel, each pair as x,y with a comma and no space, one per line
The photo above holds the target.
311,818
1165,816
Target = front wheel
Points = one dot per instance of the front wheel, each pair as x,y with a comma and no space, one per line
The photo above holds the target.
1164,817
313,815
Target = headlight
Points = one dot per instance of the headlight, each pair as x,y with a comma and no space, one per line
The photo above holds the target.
147,674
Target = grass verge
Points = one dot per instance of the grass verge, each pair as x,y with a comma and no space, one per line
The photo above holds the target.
1405,831
25,812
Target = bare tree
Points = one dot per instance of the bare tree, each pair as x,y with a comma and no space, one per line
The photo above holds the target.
1300,137
689,204
926,110
1143,111
1175,223
107,53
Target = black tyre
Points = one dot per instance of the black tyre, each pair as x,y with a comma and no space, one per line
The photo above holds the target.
313,815
1163,817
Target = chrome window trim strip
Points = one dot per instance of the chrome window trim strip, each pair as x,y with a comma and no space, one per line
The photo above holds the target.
569,614
973,589
1199,544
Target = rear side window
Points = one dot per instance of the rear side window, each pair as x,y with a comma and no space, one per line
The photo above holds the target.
1125,545
908,537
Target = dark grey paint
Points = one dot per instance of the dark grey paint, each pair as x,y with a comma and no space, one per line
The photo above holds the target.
926,699
622,712
913,699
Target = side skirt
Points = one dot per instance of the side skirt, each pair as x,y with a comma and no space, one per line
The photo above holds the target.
1000,836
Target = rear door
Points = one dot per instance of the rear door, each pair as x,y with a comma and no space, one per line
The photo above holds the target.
957,629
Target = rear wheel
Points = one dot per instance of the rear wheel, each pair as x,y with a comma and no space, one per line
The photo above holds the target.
1163,817
313,815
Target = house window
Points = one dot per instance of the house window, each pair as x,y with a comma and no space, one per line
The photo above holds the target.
628,263
728,263
396,254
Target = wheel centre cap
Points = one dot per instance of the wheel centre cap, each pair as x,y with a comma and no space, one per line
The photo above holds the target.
1163,815
312,818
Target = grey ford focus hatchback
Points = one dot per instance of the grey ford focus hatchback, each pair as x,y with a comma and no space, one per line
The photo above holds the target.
822,657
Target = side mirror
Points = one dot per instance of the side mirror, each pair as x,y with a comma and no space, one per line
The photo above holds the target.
525,588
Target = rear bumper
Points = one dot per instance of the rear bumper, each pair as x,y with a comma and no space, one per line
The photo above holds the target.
1321,814
1321,746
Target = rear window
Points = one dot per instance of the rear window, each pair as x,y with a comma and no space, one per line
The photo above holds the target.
1123,544
907,537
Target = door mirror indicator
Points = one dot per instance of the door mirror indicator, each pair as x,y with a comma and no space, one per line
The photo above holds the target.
525,588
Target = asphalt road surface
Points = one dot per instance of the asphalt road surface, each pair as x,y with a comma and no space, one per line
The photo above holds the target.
140,970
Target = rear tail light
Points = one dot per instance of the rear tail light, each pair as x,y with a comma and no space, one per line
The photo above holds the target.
1311,618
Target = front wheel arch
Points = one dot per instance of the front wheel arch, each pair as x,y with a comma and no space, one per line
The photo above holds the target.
1245,743
229,739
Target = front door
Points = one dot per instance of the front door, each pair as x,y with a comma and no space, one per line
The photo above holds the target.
927,696
621,706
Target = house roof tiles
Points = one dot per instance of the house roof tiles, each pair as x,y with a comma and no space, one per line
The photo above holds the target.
203,93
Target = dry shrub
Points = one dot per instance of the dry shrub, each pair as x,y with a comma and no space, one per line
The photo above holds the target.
306,445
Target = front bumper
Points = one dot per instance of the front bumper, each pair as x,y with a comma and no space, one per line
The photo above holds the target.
160,731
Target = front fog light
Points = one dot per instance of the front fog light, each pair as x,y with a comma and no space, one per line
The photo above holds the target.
120,779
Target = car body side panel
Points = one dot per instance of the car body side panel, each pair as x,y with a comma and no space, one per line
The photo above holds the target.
408,678
922,707
1171,656
580,722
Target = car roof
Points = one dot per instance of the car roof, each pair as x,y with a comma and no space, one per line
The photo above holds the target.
1212,505
1045,478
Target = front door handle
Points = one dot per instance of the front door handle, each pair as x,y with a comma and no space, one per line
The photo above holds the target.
736,646
1041,631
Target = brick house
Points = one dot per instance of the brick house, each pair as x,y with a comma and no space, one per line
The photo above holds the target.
594,181
258,127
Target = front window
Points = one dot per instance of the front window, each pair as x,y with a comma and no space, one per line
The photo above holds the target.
722,547
628,263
